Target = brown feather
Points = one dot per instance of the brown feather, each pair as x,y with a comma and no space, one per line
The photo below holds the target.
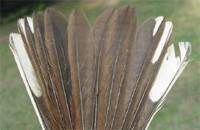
82,65
99,35
55,27
145,105
127,30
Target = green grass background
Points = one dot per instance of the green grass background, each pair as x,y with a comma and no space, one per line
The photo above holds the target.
181,110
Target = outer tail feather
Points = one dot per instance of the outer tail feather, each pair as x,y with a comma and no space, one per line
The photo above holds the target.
20,55
152,71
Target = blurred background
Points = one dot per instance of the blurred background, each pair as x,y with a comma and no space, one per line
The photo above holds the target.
181,110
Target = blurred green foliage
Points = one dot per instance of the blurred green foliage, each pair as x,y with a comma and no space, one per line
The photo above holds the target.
12,9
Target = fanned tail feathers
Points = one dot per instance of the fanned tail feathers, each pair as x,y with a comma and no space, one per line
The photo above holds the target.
112,75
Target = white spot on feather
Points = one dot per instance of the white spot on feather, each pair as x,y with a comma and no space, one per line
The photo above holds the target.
169,71
158,23
17,43
163,40
30,23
